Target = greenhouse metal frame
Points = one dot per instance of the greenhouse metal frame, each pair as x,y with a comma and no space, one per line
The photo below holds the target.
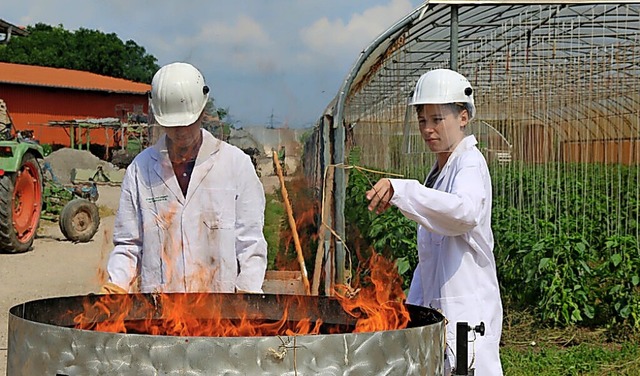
554,81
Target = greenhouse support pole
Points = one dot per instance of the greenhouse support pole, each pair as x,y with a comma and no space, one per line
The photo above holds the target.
453,42
341,182
327,125
339,149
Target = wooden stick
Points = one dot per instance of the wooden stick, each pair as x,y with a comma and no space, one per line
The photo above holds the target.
292,223
327,193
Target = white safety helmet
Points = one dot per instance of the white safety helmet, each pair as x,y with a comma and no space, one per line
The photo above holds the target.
178,95
443,86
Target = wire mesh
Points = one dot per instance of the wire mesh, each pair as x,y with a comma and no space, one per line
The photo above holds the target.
556,91
555,88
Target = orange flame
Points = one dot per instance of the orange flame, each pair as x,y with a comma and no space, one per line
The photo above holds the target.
183,315
376,306
380,305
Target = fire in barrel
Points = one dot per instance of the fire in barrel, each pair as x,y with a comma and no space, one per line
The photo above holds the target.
363,333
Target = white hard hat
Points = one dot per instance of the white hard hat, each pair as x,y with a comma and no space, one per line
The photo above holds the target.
443,86
178,95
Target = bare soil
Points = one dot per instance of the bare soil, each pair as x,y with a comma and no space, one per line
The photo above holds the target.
55,267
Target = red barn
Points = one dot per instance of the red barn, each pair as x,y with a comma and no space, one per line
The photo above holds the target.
43,99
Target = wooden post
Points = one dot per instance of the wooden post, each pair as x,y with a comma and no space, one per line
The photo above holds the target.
72,136
88,137
327,193
107,142
292,223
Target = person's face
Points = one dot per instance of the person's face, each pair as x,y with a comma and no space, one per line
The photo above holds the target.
441,127
183,137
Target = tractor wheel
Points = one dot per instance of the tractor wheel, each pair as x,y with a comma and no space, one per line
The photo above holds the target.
79,220
20,206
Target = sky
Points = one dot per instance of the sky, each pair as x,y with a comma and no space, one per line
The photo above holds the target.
268,62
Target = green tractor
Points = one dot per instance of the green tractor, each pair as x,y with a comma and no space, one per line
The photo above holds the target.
22,193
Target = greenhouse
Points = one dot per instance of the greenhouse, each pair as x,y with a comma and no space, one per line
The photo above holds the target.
558,113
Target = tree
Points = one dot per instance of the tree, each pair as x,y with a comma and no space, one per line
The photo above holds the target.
85,50
216,120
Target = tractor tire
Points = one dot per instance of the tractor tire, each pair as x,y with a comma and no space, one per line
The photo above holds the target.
20,206
79,220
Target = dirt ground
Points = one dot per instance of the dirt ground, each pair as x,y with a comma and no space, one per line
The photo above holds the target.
56,267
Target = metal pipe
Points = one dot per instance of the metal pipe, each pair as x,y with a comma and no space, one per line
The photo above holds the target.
338,123
327,125
462,350
453,43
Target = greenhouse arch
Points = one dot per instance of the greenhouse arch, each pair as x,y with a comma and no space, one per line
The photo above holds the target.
555,82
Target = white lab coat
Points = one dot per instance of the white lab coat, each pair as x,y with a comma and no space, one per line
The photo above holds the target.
211,240
456,272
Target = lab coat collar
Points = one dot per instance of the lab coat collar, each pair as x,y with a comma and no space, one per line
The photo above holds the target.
465,144
164,169
206,159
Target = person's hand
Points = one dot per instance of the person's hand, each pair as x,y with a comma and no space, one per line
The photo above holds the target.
112,288
380,195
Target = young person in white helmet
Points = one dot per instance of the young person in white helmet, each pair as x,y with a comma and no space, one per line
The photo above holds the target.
456,272
191,212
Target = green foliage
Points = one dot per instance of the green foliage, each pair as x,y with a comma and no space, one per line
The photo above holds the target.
273,217
220,128
84,49
54,197
558,267
389,233
619,281
566,240
305,136
47,149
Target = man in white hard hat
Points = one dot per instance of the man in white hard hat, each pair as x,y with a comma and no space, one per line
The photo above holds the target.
456,272
191,211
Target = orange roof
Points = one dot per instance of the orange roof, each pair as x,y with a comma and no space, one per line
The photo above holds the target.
33,75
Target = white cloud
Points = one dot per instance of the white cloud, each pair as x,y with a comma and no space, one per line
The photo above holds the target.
241,44
244,31
330,39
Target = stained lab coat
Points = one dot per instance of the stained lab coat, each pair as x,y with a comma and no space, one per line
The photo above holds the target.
456,272
211,240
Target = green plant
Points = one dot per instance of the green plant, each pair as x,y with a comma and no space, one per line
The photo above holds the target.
569,232
619,277
47,149
389,233
273,218
562,279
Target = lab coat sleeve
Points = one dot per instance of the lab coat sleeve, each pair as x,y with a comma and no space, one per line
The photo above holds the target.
127,234
448,214
251,246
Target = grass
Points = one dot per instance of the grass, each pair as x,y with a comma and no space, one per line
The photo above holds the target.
583,359
273,216
529,350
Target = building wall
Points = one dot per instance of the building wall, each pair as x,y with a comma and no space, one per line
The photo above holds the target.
602,151
32,107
